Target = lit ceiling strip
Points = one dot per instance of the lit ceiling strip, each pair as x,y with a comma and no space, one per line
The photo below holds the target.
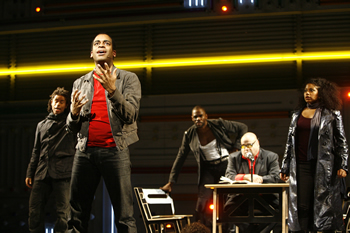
180,62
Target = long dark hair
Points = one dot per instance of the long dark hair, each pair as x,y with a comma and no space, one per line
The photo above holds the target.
59,91
328,94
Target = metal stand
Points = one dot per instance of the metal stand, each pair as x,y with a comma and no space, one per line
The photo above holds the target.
251,169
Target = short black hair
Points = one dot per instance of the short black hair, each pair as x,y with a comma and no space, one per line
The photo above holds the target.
103,33
197,107
59,91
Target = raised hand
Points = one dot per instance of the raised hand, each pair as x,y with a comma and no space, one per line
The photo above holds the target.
77,102
106,77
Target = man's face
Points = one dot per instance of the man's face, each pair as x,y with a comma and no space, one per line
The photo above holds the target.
199,117
102,50
58,104
249,143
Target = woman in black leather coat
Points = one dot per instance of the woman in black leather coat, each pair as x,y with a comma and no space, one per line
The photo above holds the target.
315,160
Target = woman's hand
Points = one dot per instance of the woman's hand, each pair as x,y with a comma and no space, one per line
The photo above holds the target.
341,173
284,177
29,182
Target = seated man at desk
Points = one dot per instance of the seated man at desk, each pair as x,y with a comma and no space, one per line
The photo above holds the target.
265,170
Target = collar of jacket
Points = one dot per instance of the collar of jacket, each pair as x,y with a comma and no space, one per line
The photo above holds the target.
324,114
59,117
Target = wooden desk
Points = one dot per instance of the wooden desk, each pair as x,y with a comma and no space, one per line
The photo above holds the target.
251,191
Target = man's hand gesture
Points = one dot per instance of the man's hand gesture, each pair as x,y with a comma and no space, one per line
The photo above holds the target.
77,102
106,77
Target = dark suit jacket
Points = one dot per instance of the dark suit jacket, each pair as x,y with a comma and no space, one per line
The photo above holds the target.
266,166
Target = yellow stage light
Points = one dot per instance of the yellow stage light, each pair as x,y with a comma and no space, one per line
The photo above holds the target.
211,206
180,62
224,8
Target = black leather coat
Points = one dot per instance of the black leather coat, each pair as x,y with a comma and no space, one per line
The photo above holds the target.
332,156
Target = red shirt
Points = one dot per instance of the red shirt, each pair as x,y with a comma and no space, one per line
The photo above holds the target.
241,176
100,132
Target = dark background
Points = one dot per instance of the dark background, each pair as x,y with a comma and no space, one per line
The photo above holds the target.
152,30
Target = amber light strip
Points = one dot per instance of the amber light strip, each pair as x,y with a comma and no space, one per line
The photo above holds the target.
181,62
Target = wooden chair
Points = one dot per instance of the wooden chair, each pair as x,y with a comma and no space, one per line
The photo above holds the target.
149,198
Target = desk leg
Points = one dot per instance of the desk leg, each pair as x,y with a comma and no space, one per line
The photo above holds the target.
215,209
284,211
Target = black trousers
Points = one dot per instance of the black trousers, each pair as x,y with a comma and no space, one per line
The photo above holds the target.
305,186
39,196
210,174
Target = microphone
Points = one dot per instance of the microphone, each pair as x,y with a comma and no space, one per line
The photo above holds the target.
250,156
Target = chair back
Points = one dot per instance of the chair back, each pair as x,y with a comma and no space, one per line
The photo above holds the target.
157,209
154,202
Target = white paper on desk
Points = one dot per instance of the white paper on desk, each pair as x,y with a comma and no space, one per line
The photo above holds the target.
225,180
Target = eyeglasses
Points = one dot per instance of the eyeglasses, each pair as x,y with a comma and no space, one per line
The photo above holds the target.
248,145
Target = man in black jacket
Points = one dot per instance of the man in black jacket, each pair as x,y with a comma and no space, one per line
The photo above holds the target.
50,166
210,142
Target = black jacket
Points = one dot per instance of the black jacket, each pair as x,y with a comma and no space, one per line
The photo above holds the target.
54,149
221,130
332,155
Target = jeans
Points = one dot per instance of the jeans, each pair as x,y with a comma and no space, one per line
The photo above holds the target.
210,174
115,168
38,198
